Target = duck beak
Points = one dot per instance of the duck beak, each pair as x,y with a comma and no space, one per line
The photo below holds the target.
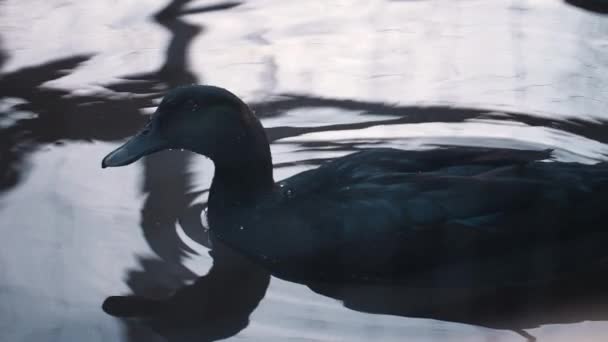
145,142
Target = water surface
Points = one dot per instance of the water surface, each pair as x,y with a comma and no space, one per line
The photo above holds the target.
326,78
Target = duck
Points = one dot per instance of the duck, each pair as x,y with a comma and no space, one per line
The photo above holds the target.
449,217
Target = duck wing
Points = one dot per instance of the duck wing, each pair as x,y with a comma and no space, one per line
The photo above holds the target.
387,213
455,160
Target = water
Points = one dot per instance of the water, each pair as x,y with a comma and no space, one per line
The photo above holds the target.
326,78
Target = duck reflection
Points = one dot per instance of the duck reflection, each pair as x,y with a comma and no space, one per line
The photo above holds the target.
562,301
213,307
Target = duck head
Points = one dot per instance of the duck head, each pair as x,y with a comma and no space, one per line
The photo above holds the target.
204,119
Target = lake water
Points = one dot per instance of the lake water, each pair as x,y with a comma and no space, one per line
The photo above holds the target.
326,78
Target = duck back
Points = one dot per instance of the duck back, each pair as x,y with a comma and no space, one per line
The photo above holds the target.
445,217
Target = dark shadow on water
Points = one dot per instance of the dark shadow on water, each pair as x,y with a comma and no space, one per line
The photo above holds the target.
59,116
595,130
516,309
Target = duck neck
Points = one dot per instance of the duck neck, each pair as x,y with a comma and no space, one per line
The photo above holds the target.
242,177
241,183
